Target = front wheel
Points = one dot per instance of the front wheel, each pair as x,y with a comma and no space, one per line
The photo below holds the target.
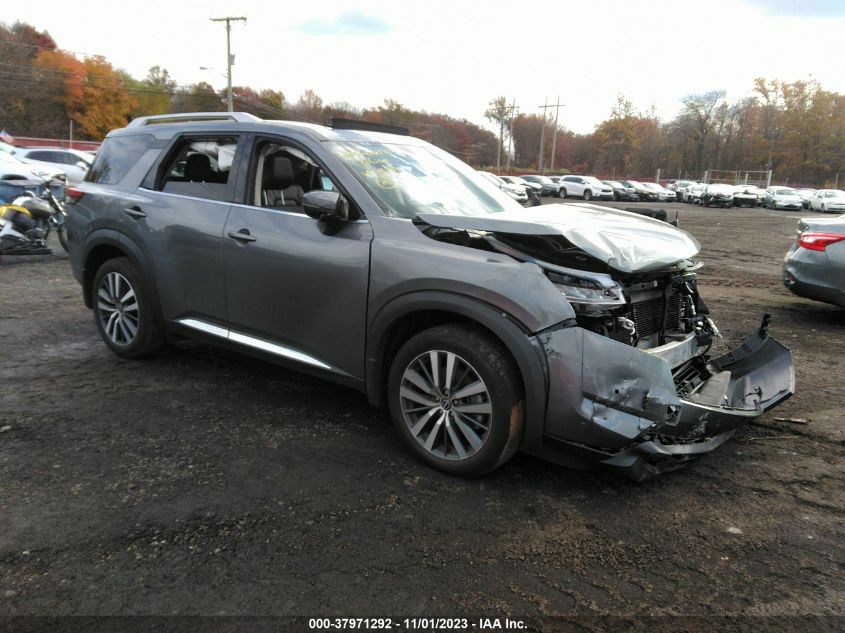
123,310
562,193
588,194
456,400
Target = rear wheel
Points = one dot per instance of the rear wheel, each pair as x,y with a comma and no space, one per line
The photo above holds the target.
61,232
456,400
123,310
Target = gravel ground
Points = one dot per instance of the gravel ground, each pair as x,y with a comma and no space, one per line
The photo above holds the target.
202,482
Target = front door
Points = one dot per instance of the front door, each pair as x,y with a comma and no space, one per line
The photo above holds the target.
292,290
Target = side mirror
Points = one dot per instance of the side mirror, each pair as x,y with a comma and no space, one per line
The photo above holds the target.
328,207
82,165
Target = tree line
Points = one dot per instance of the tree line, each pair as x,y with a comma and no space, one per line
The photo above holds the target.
44,88
796,129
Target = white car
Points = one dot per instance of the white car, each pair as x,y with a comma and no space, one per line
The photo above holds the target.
74,163
586,187
514,191
782,198
11,168
828,200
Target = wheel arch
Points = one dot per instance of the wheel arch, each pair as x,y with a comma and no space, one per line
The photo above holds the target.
107,244
407,315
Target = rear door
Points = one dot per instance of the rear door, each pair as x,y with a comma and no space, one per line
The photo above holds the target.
178,215
292,290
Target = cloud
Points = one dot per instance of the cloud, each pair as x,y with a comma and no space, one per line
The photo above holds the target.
353,23
802,8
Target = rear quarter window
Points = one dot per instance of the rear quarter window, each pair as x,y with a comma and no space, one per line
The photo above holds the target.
117,156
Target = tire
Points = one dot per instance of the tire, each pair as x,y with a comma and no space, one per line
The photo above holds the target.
61,232
475,441
588,195
123,310
562,193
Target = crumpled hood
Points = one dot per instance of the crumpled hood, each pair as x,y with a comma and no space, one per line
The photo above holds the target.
625,241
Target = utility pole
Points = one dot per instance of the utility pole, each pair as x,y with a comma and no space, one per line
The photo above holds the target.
557,106
542,137
229,56
513,110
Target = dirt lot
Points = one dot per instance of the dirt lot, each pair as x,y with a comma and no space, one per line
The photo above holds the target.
201,482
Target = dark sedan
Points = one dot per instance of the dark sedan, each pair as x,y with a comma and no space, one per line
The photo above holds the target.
622,192
717,195
644,193
815,265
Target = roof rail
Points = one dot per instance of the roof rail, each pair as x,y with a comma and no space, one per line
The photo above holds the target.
187,117
338,123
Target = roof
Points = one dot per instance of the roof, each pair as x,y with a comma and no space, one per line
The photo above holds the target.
167,125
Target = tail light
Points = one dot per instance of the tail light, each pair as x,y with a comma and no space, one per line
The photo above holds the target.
74,194
818,241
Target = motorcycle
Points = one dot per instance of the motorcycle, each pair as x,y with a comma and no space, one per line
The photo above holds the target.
26,222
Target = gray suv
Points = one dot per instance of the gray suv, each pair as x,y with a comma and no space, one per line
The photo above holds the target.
380,262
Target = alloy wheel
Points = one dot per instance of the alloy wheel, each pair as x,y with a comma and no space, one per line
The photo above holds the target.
446,405
117,309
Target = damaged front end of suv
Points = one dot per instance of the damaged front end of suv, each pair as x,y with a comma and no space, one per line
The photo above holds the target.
631,382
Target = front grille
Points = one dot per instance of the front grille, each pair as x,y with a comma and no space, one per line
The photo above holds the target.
648,315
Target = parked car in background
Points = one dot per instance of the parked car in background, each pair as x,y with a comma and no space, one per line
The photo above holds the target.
782,198
11,168
73,162
717,195
678,187
692,194
828,200
621,191
516,192
757,191
661,192
806,194
745,196
586,187
645,194
549,188
530,187
814,267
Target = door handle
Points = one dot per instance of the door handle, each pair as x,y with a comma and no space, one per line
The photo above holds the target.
135,213
242,235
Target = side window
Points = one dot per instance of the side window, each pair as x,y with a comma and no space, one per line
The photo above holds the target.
282,174
45,156
117,156
200,167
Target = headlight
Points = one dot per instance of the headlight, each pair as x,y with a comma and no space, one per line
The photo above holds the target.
585,291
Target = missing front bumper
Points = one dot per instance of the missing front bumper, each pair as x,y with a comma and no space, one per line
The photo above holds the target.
619,406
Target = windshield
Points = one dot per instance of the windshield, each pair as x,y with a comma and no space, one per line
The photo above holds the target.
410,179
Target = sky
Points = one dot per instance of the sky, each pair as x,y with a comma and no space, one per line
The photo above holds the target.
454,56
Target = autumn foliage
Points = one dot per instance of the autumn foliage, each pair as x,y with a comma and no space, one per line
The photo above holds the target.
796,129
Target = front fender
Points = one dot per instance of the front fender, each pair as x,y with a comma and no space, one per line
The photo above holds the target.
524,348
